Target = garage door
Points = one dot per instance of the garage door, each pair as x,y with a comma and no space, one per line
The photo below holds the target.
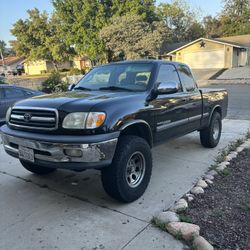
205,59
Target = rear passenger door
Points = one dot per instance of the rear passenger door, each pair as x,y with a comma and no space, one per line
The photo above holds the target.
193,97
170,109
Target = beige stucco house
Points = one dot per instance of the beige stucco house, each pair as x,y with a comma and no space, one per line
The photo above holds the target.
204,53
44,66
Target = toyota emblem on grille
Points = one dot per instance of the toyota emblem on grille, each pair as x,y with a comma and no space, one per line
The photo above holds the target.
27,117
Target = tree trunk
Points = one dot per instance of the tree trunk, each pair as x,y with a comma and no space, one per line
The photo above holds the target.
55,66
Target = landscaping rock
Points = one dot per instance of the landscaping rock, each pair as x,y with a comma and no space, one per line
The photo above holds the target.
232,155
180,206
190,197
168,216
202,183
246,144
202,244
186,230
212,172
209,181
239,149
197,190
209,177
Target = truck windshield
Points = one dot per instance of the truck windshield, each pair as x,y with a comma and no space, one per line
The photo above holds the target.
117,77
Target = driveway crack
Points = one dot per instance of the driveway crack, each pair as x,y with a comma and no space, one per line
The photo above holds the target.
143,229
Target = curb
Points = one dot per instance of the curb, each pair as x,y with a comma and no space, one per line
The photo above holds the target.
170,220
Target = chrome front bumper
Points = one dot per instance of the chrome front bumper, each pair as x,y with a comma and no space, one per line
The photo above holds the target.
53,154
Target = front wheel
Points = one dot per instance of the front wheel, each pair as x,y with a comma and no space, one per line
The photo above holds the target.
36,169
127,178
210,136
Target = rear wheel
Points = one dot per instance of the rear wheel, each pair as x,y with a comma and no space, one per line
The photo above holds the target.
127,178
210,136
36,169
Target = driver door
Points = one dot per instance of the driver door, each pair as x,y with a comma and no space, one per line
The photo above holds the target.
171,116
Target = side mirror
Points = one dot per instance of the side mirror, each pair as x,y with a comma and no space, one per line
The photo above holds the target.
71,86
167,88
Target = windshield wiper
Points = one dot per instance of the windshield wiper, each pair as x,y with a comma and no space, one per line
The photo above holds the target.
82,88
114,88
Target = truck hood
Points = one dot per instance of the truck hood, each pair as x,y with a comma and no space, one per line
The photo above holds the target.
75,100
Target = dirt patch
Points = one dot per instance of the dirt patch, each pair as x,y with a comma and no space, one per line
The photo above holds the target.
223,211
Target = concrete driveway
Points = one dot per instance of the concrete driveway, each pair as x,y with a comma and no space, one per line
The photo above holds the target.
68,210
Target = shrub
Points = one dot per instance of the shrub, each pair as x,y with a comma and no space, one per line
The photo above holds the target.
54,83
75,71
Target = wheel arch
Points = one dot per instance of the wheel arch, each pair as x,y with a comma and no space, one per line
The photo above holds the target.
216,108
138,128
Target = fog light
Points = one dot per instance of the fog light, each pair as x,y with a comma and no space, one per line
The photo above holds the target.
73,152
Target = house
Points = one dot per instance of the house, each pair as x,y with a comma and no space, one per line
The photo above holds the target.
217,53
9,63
82,63
45,66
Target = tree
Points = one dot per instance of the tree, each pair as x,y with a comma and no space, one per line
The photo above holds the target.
139,40
181,20
2,47
235,17
212,27
82,21
40,38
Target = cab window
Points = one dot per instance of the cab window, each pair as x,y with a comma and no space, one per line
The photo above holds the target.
187,79
168,73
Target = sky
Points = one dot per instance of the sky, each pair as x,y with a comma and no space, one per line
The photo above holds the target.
12,10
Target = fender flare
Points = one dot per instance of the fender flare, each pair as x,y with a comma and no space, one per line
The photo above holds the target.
139,121
212,111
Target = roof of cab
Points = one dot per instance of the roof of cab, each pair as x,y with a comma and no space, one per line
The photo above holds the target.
143,61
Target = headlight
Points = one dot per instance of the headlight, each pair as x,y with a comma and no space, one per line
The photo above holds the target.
81,120
8,113
75,120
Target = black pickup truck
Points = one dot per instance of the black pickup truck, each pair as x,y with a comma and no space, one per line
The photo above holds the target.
110,120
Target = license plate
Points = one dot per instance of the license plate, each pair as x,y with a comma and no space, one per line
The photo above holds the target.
26,154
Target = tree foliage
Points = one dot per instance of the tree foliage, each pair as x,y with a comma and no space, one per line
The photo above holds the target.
181,20
40,37
212,26
140,39
82,21
235,17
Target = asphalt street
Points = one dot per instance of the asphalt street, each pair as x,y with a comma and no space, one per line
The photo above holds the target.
67,210
238,100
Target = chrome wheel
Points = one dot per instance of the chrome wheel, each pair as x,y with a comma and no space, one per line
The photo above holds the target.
216,130
135,169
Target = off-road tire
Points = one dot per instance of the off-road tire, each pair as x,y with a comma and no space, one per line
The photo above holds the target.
114,177
207,135
36,169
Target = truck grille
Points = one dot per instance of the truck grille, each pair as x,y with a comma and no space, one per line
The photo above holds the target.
34,118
